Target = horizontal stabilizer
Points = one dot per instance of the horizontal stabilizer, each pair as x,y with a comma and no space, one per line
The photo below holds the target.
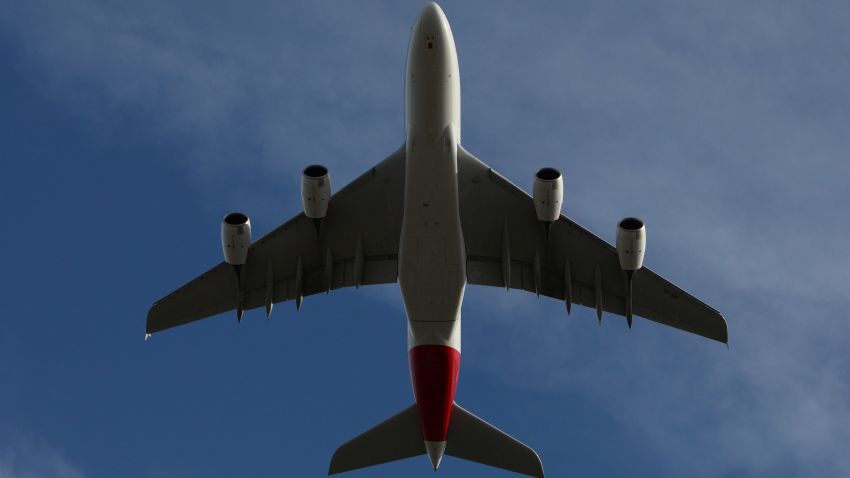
473,439
396,438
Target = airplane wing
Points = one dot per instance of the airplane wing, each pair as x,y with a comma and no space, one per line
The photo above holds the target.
355,244
506,246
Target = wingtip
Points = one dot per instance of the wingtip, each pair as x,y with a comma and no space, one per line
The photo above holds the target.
150,325
149,320
332,466
724,334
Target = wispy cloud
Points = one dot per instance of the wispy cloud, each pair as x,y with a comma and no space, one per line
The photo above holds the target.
776,401
722,129
722,124
33,457
242,84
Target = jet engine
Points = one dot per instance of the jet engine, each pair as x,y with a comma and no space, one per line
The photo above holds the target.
235,238
548,192
315,191
631,243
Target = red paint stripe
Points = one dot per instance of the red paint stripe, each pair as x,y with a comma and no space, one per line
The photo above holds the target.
433,371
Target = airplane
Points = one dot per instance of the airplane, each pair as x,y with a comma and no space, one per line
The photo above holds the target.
433,218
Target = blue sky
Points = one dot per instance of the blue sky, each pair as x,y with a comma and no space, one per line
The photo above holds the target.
127,131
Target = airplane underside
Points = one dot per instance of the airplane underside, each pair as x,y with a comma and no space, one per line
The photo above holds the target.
433,218
432,273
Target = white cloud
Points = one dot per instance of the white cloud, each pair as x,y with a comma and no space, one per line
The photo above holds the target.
32,457
240,82
723,125
775,401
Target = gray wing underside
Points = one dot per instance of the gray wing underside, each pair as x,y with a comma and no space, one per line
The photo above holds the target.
355,244
506,243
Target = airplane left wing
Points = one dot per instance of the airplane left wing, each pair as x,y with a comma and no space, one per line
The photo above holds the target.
507,246
355,244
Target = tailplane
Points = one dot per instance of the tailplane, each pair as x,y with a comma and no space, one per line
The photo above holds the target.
469,437
396,438
473,439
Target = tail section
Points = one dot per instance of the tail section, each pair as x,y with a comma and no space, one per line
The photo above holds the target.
469,437
473,439
394,439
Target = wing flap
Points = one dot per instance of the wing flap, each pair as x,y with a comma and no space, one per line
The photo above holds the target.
498,216
364,220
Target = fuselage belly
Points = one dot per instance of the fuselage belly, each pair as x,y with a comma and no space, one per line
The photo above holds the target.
432,259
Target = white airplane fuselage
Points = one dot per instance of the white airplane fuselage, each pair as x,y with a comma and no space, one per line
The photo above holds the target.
314,252
432,258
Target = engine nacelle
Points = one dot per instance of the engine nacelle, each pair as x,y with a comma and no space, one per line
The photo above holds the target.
631,243
548,192
315,191
235,238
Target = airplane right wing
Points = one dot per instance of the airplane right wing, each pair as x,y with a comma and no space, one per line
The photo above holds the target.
355,244
506,246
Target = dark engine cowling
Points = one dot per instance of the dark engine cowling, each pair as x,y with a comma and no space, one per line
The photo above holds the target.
235,238
315,191
548,193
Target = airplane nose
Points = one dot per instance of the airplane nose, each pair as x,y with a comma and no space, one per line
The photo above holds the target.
432,14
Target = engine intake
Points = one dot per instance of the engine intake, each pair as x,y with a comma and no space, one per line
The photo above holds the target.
631,243
548,193
315,191
235,238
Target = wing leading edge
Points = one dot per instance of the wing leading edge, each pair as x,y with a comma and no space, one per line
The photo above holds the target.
507,246
355,244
